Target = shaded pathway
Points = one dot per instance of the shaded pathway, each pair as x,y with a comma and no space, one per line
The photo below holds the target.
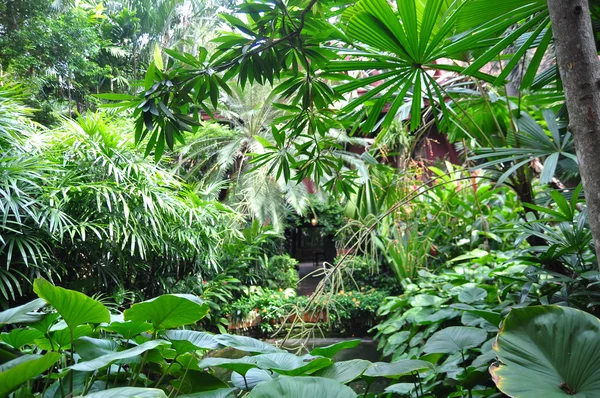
307,286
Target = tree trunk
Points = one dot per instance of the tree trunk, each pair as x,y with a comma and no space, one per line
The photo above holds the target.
579,68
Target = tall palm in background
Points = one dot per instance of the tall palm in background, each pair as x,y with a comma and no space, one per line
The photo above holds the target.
224,159
178,24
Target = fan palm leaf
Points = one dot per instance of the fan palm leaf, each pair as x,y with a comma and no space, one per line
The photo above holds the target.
426,38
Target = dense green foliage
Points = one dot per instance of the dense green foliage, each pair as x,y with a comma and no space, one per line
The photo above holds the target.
92,352
427,138
343,312
78,347
81,205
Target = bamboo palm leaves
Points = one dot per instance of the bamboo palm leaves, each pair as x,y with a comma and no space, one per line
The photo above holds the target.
414,45
79,203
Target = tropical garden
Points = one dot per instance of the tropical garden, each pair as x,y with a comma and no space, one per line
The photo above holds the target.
166,166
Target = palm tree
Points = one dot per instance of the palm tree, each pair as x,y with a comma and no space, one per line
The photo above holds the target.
225,157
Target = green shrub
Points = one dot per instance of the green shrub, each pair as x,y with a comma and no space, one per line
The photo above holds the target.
365,272
352,312
469,300
281,273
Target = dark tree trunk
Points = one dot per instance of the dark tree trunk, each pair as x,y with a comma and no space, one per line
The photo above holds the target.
579,68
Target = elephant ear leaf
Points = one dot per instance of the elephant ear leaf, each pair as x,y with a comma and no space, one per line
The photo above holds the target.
548,351
168,311
132,392
455,339
76,308
330,350
21,370
302,387
23,313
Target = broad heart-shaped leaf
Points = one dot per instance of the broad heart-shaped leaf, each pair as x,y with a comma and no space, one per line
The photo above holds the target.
548,351
426,300
330,350
46,322
397,369
189,340
197,381
471,294
492,317
220,393
302,387
400,388
62,337
15,376
90,348
75,308
128,392
247,344
128,329
345,371
102,361
17,338
252,378
23,313
18,360
454,339
240,365
291,365
168,311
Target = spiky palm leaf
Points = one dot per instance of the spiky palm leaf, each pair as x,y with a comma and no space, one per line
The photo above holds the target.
529,143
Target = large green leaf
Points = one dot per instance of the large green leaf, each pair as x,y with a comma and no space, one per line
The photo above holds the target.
46,323
18,360
220,393
397,369
17,338
454,339
168,311
197,381
62,337
244,343
251,378
104,360
291,365
471,294
189,340
24,371
129,392
302,387
75,308
240,365
330,350
128,329
22,313
492,317
548,351
345,371
90,348
400,388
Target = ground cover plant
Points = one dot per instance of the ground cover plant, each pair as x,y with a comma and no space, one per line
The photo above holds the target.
77,347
